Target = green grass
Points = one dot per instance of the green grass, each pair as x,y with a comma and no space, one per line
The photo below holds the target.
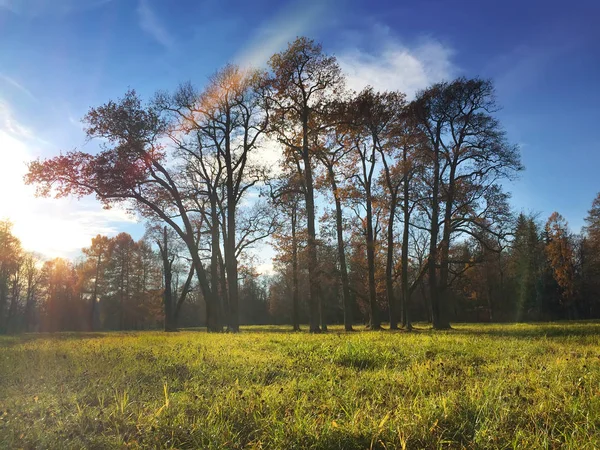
478,386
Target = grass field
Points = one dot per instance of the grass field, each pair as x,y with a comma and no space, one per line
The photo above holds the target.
477,386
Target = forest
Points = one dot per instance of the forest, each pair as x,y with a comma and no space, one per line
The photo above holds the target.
381,211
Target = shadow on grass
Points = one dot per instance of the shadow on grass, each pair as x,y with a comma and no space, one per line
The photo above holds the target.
14,339
509,330
531,329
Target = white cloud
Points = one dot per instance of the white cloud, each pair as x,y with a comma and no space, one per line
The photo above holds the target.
151,24
295,20
396,66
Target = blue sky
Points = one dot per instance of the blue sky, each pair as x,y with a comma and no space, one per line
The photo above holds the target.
59,57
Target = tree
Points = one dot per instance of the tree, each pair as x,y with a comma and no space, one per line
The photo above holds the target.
31,275
286,197
381,116
230,117
331,156
168,253
407,173
10,263
62,308
372,118
590,259
303,81
98,253
132,167
469,154
526,257
559,250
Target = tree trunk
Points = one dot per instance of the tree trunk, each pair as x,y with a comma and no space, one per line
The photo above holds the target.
375,323
405,237
339,226
95,294
322,309
224,297
232,273
168,288
3,298
295,293
230,256
443,322
121,297
214,254
389,267
313,281
184,292
432,261
12,311
213,323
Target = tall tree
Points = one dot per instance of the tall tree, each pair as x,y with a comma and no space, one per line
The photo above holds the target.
331,156
406,174
372,118
168,252
590,259
62,307
287,198
559,249
32,281
10,261
469,154
526,258
382,116
303,81
133,166
98,252
229,116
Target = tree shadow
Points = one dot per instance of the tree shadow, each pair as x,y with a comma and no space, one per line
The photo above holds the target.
531,330
18,339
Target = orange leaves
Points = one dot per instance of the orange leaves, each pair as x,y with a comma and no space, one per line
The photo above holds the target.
559,250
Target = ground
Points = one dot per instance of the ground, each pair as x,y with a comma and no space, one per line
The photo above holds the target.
477,386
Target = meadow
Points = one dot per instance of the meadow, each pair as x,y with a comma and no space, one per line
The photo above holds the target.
477,386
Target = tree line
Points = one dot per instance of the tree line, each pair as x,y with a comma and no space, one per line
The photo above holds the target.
382,208
116,284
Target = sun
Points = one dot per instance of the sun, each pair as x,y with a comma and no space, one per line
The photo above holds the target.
51,227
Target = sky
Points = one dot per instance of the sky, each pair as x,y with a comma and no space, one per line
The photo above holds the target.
60,57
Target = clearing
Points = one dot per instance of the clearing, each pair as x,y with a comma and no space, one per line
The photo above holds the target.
477,386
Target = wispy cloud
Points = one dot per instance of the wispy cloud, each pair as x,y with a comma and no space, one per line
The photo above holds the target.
522,67
295,20
151,24
15,84
10,125
395,65
35,8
